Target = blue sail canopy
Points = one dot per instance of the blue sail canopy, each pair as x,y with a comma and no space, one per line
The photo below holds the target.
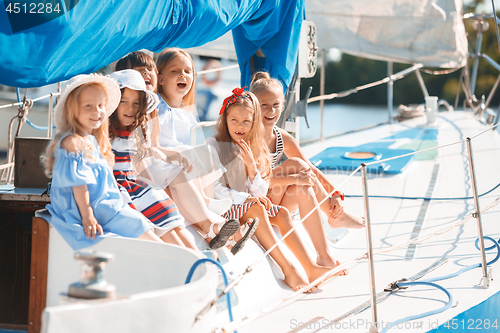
75,37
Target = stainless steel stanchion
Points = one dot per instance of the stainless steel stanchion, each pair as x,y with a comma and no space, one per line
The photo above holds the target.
374,327
485,280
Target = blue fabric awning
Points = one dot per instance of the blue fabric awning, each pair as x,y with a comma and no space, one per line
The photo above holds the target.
83,36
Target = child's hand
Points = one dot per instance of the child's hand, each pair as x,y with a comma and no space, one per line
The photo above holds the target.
264,201
91,226
305,178
89,223
186,164
335,207
246,154
183,161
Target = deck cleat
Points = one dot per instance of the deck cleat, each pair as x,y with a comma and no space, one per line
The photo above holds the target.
92,284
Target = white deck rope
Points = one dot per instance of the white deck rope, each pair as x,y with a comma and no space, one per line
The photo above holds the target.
243,321
393,77
247,319
33,100
213,70
422,238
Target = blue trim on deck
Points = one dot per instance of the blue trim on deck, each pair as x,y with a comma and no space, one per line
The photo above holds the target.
475,317
335,158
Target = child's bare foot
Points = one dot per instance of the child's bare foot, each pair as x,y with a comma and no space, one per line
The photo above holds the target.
347,220
326,260
296,282
317,271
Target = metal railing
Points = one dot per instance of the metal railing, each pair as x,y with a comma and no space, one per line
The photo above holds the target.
389,80
24,106
485,279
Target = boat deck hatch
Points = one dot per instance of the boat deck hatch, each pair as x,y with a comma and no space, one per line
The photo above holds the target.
349,158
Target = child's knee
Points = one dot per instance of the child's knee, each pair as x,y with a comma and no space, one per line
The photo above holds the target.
294,165
299,191
258,209
283,213
182,177
293,190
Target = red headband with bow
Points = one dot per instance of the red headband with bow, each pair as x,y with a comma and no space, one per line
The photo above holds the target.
237,92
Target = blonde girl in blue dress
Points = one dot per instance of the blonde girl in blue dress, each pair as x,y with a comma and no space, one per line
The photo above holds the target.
86,205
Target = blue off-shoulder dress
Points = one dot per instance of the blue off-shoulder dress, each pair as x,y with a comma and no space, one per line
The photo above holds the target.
90,168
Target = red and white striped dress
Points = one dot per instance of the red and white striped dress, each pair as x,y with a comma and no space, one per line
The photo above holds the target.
153,203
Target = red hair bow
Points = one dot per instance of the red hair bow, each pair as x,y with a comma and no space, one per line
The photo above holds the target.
237,92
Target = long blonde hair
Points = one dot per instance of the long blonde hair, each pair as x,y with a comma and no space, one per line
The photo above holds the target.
262,82
259,149
72,125
165,57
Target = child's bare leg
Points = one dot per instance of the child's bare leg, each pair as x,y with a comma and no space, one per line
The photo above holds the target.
191,204
172,238
218,206
345,220
267,238
150,236
304,198
195,214
294,165
284,223
199,186
186,238
209,190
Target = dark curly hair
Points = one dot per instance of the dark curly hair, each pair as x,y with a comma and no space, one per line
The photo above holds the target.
136,59
141,118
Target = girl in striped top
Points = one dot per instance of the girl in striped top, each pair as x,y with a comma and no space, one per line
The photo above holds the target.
144,170
241,149
297,183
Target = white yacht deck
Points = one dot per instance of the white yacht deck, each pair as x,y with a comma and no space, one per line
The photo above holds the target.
394,221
